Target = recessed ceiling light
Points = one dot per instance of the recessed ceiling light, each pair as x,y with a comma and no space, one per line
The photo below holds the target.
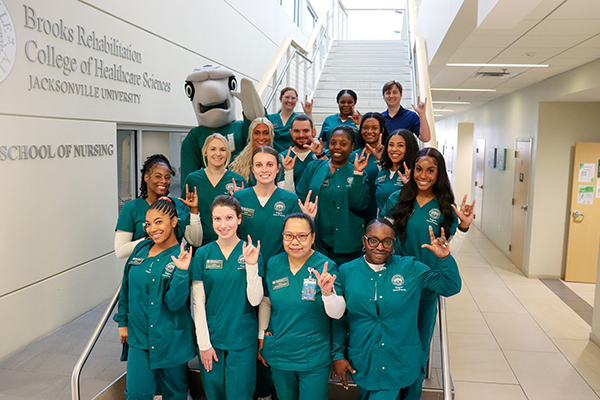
463,90
497,65
442,110
451,102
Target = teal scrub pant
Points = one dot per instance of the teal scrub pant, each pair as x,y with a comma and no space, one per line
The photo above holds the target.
301,385
143,382
395,394
233,377
427,317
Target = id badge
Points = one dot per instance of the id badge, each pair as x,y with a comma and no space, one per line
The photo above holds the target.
309,289
214,264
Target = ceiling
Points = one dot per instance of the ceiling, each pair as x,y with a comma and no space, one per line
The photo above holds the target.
561,33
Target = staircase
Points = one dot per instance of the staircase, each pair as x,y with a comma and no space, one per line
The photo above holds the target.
363,66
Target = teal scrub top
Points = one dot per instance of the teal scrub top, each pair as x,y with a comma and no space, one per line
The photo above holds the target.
383,341
342,197
266,223
301,331
283,138
385,186
330,123
417,230
231,319
133,216
191,147
153,304
299,165
371,170
207,193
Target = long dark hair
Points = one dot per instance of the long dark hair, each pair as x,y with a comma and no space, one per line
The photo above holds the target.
147,167
382,128
442,191
412,147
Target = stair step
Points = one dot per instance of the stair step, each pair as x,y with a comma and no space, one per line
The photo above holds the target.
371,70
337,85
362,93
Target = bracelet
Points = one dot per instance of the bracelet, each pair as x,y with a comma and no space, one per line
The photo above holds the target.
321,155
464,230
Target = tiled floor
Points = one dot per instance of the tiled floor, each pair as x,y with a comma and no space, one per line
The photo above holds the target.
511,338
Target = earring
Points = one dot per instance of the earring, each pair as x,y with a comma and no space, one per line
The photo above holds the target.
393,251
364,250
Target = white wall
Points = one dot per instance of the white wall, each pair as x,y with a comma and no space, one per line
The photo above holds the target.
59,213
517,116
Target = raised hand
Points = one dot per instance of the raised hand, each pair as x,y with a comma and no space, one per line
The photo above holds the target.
421,105
307,106
406,177
183,261
316,146
235,187
356,117
465,213
339,369
288,162
251,252
360,162
309,207
325,280
191,199
438,246
377,151
207,357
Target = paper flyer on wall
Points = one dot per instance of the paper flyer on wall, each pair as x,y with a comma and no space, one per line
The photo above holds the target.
598,181
585,194
586,172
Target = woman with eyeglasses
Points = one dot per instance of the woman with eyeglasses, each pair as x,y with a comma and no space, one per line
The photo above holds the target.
295,314
427,202
378,339
282,120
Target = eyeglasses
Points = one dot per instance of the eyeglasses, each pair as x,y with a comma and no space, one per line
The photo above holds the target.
387,243
289,236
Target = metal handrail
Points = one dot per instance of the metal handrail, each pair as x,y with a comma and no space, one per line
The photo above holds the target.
447,380
309,53
90,346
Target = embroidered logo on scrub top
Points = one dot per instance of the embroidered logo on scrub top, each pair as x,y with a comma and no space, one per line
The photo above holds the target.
381,179
349,181
168,270
398,281
325,183
434,216
228,187
241,262
279,209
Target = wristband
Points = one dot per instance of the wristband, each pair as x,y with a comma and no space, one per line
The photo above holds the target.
464,230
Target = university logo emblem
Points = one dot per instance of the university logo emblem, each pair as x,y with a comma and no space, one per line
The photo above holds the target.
279,206
397,280
349,180
228,187
435,213
169,267
8,42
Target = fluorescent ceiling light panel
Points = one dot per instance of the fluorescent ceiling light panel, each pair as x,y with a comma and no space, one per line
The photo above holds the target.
463,90
497,65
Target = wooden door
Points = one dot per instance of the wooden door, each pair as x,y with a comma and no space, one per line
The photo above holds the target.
520,202
584,215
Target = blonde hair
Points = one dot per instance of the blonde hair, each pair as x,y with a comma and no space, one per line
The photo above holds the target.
243,162
207,142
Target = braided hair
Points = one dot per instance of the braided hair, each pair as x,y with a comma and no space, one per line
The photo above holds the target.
147,168
165,205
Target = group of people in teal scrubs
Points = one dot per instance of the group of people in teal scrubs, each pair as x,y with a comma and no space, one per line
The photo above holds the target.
311,254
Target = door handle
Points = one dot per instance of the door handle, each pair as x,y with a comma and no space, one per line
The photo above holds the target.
577,214
481,187
523,207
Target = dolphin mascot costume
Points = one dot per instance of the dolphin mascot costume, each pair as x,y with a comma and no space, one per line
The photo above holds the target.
212,90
